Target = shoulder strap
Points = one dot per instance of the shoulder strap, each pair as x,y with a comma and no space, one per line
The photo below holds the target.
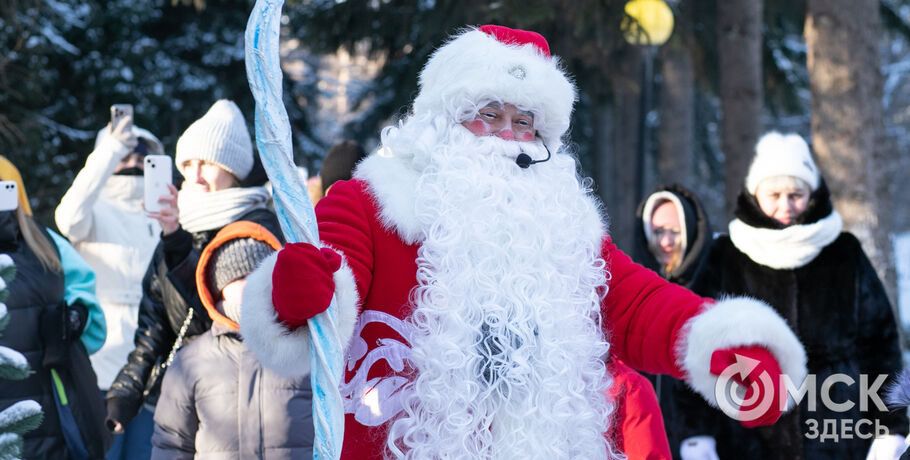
180,335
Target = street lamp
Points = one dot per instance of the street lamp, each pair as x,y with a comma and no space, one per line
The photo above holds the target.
648,23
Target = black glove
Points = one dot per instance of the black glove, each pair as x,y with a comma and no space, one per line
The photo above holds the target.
60,326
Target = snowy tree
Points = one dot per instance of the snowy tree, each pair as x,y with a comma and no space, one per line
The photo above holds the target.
22,416
69,60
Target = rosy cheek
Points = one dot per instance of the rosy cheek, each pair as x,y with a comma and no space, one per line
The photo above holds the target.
479,128
526,137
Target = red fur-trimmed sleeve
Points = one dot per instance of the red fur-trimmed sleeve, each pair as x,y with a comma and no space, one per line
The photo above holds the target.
662,328
644,315
344,217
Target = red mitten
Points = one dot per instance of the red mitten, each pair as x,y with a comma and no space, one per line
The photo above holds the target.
756,369
302,283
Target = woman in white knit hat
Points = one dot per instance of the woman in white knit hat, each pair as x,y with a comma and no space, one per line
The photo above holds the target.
786,246
215,155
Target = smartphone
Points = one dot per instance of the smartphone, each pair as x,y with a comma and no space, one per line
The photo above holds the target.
119,112
157,174
9,195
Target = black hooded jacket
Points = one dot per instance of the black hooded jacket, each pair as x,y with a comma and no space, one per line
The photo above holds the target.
836,305
169,291
672,394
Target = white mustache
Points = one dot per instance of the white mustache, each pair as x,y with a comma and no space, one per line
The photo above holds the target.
511,149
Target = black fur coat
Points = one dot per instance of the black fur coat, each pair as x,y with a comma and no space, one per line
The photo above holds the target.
837,306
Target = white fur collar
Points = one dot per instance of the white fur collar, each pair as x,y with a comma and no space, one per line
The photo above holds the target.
392,182
786,248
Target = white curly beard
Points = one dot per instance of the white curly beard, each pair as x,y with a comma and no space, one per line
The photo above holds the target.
508,346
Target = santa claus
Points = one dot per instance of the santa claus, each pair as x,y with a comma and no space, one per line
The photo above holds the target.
477,286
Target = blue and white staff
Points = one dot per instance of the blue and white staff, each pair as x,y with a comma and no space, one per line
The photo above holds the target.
295,213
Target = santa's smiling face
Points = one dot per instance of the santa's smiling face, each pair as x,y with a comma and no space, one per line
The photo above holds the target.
504,121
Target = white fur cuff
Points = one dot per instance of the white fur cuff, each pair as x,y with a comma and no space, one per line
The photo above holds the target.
735,322
288,352
285,352
347,301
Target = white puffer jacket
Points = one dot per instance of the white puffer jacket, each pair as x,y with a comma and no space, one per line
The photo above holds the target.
102,216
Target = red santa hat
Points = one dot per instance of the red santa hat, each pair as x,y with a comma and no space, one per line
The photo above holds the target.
495,63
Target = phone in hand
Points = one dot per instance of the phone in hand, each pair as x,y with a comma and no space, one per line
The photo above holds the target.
157,171
9,195
119,112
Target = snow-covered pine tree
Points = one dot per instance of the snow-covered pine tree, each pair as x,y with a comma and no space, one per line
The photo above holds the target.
25,415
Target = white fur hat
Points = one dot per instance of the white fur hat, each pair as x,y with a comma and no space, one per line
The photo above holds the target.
219,137
494,63
779,154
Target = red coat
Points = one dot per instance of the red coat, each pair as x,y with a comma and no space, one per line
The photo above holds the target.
643,314
638,426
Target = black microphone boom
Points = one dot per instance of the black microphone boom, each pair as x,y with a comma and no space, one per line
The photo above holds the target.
523,160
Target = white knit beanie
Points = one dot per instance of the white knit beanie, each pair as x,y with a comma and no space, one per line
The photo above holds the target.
779,154
219,137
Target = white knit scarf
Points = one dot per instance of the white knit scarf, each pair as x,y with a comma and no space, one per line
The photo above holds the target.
785,248
201,211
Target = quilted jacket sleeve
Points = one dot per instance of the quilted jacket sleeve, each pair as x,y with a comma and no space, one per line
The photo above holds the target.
176,421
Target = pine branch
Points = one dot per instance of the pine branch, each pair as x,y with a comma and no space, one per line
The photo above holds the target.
21,417
7,273
13,365
10,446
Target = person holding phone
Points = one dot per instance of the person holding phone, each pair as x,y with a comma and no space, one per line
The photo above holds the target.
215,157
102,216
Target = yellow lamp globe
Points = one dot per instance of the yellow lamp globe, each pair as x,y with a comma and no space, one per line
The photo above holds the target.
647,22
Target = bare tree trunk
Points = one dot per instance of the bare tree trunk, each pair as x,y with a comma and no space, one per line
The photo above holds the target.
739,25
602,122
676,136
847,125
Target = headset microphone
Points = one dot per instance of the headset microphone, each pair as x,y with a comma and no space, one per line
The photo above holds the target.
523,160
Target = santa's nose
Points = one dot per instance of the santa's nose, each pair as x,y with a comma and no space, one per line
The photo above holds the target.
506,134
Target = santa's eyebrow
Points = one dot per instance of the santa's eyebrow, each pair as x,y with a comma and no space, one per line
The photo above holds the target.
526,113
493,105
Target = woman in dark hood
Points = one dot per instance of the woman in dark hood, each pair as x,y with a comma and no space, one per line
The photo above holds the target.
693,234
673,237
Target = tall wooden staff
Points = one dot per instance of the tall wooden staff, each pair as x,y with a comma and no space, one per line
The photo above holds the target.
295,213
